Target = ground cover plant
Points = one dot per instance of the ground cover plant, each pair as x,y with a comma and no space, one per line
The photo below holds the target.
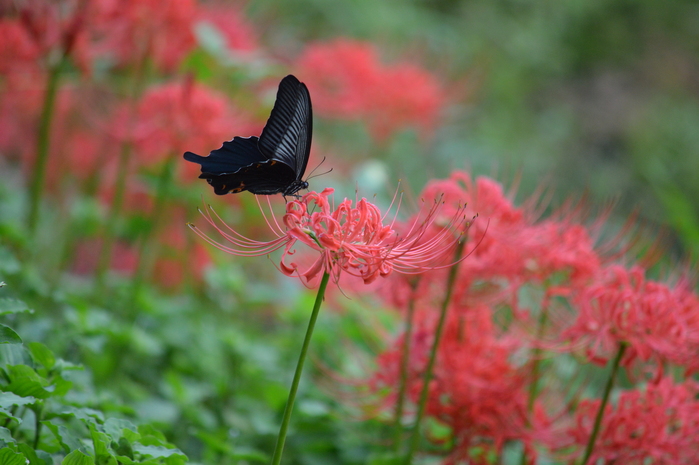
455,317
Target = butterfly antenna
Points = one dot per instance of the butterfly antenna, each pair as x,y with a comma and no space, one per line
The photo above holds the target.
314,170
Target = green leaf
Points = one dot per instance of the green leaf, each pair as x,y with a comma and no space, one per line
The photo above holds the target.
42,354
150,436
386,458
26,382
77,458
157,451
9,305
8,335
114,427
33,456
6,436
88,415
64,436
249,454
100,442
7,457
8,399
60,387
6,415
13,354
124,449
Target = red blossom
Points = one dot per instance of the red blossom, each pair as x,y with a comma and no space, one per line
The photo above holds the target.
130,31
513,248
79,149
230,22
622,306
18,52
476,390
349,82
43,29
175,117
346,238
658,425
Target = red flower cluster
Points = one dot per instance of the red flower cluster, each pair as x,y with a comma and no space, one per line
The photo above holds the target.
172,118
239,35
622,306
658,425
347,238
98,140
131,31
348,81
477,390
36,30
501,324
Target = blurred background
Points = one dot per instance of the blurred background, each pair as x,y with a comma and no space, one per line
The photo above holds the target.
586,99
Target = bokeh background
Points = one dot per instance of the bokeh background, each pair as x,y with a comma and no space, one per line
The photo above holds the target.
595,100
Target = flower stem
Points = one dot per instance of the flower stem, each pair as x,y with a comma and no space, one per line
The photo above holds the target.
38,409
110,224
427,376
109,233
42,147
405,358
147,249
536,367
603,404
281,439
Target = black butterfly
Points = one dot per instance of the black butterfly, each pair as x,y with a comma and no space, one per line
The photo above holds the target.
273,163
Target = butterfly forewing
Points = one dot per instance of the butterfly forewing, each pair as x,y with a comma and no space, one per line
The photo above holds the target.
287,134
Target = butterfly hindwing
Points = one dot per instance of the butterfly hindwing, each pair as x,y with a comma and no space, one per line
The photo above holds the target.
232,156
287,134
264,178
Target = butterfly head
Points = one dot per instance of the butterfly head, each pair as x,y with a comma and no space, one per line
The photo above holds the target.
294,187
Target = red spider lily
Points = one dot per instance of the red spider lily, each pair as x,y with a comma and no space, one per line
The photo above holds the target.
348,81
517,248
656,321
131,30
19,52
658,425
230,22
350,239
175,117
41,29
477,391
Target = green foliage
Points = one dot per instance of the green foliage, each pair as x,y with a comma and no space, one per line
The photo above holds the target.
43,424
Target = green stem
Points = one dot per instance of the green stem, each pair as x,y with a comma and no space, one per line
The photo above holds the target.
605,398
37,424
534,386
146,248
427,376
109,234
281,439
405,358
42,147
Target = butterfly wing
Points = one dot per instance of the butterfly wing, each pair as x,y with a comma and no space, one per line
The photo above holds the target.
266,178
287,134
272,163
231,157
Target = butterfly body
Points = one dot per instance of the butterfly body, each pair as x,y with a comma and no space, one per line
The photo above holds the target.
272,163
